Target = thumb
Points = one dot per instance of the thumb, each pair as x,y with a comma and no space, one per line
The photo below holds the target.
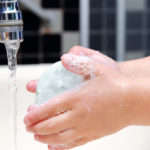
82,65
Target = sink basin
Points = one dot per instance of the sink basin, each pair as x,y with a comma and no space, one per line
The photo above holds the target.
131,138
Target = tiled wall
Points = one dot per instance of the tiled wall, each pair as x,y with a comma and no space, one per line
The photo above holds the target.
103,27
44,44
138,28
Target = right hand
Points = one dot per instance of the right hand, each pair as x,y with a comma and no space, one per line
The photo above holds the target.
81,51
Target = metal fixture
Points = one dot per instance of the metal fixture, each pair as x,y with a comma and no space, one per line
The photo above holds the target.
84,22
121,27
11,23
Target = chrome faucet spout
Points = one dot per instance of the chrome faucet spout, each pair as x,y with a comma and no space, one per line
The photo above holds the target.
11,23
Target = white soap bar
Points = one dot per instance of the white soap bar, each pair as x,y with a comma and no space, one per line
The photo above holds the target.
55,81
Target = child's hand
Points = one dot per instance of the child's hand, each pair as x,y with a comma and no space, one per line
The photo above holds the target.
97,109
96,56
81,51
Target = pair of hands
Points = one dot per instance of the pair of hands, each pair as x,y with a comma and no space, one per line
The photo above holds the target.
96,109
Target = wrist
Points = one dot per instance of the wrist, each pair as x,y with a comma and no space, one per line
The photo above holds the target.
138,96
136,68
126,69
126,101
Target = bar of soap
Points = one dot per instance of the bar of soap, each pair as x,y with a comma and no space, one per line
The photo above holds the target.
55,81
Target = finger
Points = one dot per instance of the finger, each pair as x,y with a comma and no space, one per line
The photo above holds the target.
82,51
31,86
76,143
32,107
94,55
54,107
58,139
83,66
53,125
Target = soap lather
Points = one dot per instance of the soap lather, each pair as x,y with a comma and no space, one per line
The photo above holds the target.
55,81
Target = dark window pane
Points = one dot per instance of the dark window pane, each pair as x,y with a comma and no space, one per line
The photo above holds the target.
19,57
148,20
148,3
111,42
71,3
51,60
29,60
52,43
134,20
2,49
50,3
148,42
134,42
148,53
3,60
96,3
30,44
71,21
96,21
31,21
96,42
111,20
111,3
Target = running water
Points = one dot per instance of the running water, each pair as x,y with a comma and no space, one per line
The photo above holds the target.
12,49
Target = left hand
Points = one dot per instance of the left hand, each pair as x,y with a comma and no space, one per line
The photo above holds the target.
96,109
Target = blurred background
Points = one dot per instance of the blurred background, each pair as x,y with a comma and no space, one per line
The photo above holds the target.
118,28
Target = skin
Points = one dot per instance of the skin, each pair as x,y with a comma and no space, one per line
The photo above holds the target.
136,68
115,96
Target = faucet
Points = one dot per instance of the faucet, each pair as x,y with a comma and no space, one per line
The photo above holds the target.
11,23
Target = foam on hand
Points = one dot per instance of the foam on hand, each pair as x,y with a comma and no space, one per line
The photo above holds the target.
55,81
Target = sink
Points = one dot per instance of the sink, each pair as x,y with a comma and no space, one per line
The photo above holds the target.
131,138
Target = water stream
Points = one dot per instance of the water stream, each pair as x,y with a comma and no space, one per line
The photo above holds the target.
12,49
